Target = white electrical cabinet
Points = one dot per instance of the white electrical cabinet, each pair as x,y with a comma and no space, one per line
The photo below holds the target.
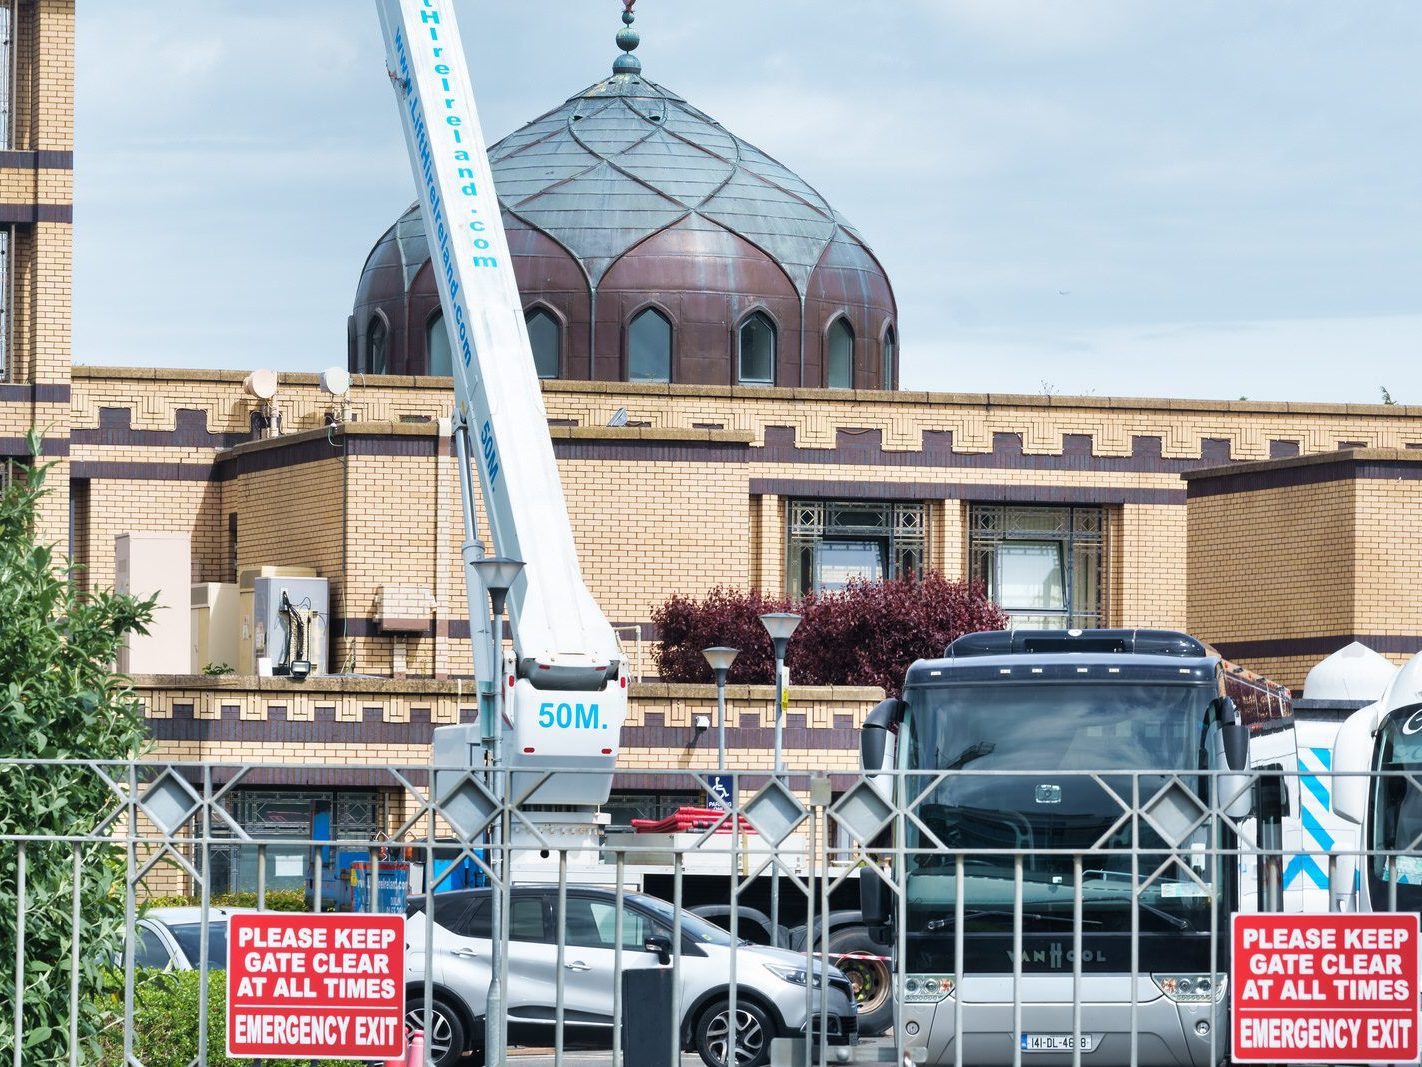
291,617
159,565
215,626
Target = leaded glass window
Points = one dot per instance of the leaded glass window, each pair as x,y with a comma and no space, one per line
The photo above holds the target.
839,369
891,345
438,358
649,347
375,337
545,337
833,542
756,341
1042,565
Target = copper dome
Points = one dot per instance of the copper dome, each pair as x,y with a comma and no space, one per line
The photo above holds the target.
626,198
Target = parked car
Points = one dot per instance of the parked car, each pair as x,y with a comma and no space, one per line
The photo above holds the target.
770,983
171,938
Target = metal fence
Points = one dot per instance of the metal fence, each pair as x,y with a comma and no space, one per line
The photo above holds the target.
1032,917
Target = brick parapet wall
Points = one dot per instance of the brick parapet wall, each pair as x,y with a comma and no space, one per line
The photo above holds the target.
379,721
1290,560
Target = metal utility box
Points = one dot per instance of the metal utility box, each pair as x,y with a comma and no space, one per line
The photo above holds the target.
247,632
156,564
290,623
215,616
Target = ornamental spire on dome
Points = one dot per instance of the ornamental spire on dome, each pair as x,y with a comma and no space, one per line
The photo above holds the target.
628,39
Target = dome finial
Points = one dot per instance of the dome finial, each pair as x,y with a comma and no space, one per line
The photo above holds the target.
628,39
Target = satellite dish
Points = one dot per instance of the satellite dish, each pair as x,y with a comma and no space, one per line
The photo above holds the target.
619,418
261,384
336,381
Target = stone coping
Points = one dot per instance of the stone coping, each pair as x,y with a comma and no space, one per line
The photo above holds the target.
1313,459
846,397
336,685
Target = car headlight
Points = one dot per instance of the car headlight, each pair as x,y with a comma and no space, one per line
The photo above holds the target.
928,988
794,975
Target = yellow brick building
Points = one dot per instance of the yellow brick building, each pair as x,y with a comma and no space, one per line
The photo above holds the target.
724,410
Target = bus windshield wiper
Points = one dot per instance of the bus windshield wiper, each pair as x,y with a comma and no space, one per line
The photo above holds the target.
972,752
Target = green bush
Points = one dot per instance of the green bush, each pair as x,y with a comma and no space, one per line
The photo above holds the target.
277,900
165,1023
59,700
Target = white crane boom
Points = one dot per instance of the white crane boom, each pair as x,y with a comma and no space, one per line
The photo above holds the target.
565,690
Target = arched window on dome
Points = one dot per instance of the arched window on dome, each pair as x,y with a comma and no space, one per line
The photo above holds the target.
649,347
756,344
376,336
839,366
890,354
438,359
545,337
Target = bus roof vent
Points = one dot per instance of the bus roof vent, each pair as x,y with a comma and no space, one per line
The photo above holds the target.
1026,642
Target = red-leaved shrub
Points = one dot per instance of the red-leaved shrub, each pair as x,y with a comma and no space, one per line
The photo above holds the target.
865,634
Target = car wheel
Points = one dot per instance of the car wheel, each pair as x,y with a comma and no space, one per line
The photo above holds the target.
867,968
445,1040
753,1034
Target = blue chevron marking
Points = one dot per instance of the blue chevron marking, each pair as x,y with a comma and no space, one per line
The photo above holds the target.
1324,756
1321,837
1305,865
1314,786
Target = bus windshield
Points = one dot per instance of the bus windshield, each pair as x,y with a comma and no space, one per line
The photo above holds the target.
1052,732
1397,810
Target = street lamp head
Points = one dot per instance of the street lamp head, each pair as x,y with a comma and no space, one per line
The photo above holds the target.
780,624
498,573
720,658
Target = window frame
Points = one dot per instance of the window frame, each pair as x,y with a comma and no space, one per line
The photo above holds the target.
900,532
750,317
377,318
436,316
1081,539
541,308
636,317
888,354
840,320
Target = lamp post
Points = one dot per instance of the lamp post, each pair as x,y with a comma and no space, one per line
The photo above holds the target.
498,573
720,659
779,625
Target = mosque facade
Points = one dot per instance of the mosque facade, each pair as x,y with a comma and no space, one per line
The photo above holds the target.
719,349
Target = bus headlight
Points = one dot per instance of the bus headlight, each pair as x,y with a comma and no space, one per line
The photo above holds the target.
1191,988
928,988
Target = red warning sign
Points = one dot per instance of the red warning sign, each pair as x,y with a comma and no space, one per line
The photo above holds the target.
316,986
1325,988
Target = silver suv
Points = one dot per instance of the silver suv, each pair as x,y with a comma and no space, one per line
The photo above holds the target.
770,983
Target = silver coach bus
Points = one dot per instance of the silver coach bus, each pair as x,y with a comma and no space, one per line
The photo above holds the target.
1071,807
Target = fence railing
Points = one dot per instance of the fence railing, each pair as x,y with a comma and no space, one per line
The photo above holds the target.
1013,915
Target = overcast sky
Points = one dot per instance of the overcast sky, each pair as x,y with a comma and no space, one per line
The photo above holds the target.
1138,197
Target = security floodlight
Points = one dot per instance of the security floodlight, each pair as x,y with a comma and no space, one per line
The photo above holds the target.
619,418
720,658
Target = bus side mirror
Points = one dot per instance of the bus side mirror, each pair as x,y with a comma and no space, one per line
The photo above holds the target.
874,746
1352,759
875,904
